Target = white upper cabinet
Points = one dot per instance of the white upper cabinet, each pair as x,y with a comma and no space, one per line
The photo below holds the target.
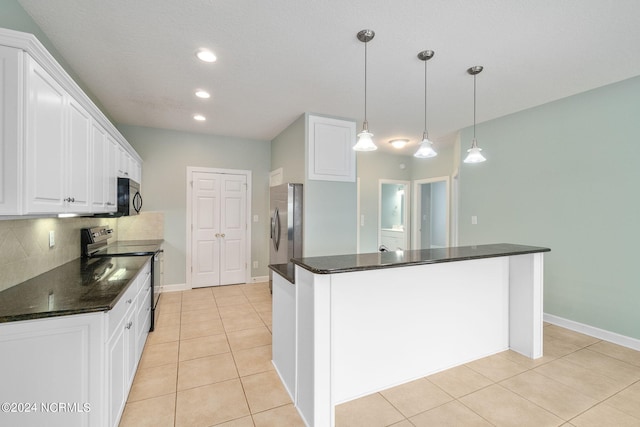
57,149
58,152
111,173
330,142
78,158
45,143
99,164
10,99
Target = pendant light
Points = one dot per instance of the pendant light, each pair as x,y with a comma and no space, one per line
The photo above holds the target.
365,143
426,147
474,155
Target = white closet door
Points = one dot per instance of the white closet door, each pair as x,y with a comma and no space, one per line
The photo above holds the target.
206,230
233,226
219,229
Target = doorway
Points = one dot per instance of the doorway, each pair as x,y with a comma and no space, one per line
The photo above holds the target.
217,228
393,214
431,213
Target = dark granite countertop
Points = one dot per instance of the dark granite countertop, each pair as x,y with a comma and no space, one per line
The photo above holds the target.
285,270
80,286
129,248
372,261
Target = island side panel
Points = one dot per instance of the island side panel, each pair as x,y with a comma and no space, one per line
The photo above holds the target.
526,274
391,326
313,358
284,332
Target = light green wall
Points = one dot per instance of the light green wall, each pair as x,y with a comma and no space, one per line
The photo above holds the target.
373,166
565,175
167,154
287,151
329,215
376,165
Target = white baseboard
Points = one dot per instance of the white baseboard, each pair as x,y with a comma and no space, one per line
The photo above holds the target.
592,331
174,288
183,286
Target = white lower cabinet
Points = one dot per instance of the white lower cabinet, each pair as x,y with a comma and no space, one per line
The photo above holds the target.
85,362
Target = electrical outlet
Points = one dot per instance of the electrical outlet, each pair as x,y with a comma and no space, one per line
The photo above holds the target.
474,220
52,238
255,264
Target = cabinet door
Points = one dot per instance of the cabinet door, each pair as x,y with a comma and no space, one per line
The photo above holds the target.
45,144
10,115
111,173
78,159
124,163
330,147
99,165
116,371
131,354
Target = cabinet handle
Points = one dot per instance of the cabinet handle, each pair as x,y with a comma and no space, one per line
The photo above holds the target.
217,234
110,204
128,325
129,301
222,235
126,173
70,199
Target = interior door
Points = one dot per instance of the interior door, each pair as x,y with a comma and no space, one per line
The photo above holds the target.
233,227
205,253
218,253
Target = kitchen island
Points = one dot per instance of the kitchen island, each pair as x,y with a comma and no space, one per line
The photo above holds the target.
352,325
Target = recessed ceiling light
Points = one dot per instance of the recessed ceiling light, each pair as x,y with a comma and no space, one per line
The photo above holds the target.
202,94
399,143
199,117
206,55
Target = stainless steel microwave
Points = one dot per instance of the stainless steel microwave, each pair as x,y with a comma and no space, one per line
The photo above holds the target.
129,198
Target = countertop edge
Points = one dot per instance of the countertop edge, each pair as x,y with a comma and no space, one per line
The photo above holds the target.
533,249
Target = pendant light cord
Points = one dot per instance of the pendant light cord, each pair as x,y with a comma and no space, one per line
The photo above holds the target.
425,98
365,84
474,108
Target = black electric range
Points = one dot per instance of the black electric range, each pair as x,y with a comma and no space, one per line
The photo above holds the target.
93,244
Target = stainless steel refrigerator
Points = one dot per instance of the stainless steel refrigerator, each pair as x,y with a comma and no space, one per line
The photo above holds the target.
286,227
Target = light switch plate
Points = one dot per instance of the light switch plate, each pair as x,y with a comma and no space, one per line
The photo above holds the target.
52,238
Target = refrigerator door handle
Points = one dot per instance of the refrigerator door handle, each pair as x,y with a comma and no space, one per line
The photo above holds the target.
275,233
276,229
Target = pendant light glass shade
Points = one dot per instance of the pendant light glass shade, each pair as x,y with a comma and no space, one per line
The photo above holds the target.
365,142
426,146
473,153
426,149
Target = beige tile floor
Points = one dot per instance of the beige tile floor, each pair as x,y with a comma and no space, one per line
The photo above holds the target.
208,364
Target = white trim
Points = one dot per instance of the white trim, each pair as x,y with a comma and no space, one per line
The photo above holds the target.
249,214
174,288
259,279
415,226
406,214
276,177
592,331
358,213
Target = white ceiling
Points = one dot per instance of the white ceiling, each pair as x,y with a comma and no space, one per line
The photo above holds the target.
280,58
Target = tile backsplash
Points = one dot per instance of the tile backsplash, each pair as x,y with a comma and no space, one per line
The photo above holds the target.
24,243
